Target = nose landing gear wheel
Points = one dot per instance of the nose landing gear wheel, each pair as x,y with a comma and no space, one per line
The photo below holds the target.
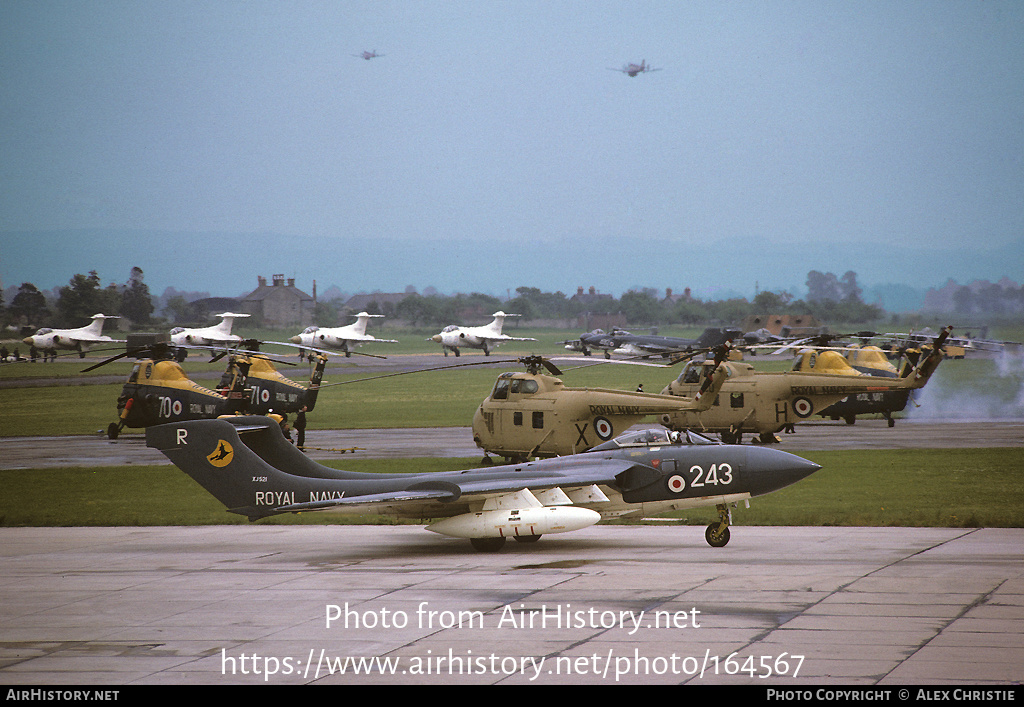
717,535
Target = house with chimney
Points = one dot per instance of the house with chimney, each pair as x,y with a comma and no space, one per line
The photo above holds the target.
279,303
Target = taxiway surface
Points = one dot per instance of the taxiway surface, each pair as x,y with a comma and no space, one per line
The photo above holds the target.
606,605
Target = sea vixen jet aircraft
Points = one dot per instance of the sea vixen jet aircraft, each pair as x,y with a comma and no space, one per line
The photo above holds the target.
248,465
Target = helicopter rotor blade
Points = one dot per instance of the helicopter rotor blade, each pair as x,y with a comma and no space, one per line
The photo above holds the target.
104,362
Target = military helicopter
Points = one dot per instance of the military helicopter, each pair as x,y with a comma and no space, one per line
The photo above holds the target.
857,360
826,353
246,463
531,414
158,390
765,403
269,391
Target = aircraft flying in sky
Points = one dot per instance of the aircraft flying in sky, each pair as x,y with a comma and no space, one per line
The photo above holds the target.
249,466
634,69
79,339
345,338
487,337
368,55
218,334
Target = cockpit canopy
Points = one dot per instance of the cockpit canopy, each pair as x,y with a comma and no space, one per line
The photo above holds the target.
514,383
653,437
692,372
450,327
43,332
311,330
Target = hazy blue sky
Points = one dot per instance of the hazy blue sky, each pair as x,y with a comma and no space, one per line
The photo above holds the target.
491,147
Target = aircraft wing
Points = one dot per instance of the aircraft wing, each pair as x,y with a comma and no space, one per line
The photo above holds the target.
504,337
92,339
471,485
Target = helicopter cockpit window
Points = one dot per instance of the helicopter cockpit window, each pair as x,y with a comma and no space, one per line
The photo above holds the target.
501,389
798,364
691,374
525,386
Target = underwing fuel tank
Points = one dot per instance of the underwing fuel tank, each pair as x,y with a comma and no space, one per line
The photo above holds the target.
521,522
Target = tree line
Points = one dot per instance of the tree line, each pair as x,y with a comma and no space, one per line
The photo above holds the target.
76,302
829,299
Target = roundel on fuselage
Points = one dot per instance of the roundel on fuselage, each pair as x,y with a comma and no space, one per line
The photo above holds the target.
604,428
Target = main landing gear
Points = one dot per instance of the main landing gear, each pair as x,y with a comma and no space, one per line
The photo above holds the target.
717,534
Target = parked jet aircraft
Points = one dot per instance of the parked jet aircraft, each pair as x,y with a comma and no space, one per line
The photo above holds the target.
620,341
79,340
487,337
345,338
248,465
634,69
218,334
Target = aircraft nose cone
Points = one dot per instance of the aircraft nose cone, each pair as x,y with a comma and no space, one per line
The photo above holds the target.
436,338
296,339
27,340
772,469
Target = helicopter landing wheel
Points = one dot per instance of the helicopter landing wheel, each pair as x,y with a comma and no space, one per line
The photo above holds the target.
487,544
526,538
717,534
113,430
